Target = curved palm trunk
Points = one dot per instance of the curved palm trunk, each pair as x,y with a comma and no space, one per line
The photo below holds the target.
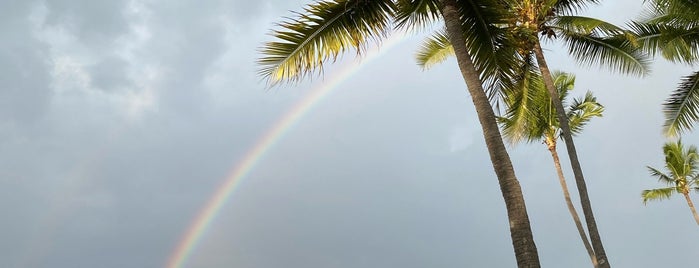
691,206
572,154
551,144
520,229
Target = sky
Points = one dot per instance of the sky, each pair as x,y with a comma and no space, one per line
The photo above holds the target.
120,119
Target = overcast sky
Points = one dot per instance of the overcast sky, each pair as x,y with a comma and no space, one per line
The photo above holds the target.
119,119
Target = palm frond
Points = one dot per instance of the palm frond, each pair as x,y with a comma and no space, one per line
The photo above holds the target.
680,161
673,43
416,13
520,120
658,194
573,6
587,25
321,33
434,50
492,51
682,107
662,177
616,53
675,12
582,111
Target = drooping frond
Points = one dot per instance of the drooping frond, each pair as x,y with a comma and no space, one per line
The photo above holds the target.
416,13
573,6
434,50
680,13
658,194
323,31
587,25
662,177
521,120
673,43
616,53
682,107
582,111
492,51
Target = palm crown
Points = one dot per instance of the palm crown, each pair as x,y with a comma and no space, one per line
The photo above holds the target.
541,121
683,176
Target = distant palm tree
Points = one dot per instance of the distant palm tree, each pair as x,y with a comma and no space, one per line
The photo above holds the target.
671,28
541,123
683,176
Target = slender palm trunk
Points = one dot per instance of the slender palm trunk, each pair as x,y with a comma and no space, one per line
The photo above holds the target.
520,229
602,260
691,206
551,144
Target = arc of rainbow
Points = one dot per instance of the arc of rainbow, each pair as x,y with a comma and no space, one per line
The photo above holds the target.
209,212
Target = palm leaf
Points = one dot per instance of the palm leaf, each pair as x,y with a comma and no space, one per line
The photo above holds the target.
582,111
434,50
321,33
416,13
616,53
520,121
673,43
662,177
492,50
657,194
573,6
682,107
586,25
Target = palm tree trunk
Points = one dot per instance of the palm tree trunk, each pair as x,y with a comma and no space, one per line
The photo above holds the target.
691,206
520,229
602,260
551,144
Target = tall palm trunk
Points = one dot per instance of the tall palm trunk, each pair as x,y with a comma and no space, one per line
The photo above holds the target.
551,144
520,229
573,155
691,205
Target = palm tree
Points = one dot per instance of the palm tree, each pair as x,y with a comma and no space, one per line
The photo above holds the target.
541,124
683,176
327,28
671,28
589,41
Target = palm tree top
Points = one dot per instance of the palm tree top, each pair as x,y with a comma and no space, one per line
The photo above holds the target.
682,165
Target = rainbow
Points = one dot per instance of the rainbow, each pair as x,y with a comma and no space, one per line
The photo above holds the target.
208,214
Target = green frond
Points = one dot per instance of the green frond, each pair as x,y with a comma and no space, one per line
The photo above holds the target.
616,53
521,114
416,13
680,161
573,6
491,49
662,177
582,111
434,50
682,107
675,12
673,43
564,83
323,31
658,194
586,25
